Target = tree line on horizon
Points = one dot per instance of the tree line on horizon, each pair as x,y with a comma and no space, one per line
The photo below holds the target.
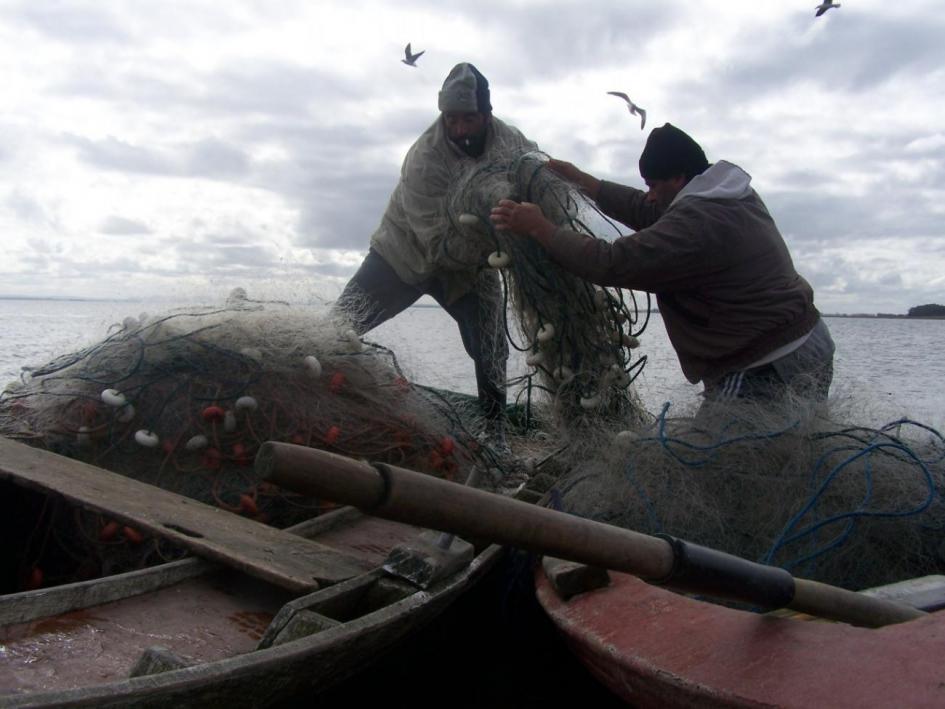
931,309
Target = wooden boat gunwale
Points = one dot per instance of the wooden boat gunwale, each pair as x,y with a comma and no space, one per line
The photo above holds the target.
653,647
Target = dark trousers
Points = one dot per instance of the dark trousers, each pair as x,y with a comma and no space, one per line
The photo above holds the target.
376,293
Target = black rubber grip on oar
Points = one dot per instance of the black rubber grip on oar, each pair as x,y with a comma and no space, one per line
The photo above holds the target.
698,569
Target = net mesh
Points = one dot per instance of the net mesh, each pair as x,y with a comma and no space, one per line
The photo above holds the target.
579,338
787,485
184,400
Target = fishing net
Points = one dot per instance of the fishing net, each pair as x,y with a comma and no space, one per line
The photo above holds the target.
579,338
788,485
184,400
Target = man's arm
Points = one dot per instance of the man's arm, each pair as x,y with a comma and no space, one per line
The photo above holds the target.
627,205
663,258
587,183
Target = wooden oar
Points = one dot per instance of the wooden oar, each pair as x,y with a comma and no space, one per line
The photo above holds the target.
403,495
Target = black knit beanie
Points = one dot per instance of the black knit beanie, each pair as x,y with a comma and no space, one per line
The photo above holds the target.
669,152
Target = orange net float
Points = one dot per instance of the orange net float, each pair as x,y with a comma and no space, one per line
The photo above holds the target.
436,460
337,382
132,535
108,531
248,505
447,446
213,413
240,455
332,435
34,579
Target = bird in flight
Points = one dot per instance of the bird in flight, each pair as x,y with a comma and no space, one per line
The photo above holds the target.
634,109
410,59
824,6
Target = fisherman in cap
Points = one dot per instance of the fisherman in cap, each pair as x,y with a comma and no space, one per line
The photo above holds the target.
415,250
741,319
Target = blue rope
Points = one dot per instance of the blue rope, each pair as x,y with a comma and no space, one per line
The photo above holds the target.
784,539
869,443
666,441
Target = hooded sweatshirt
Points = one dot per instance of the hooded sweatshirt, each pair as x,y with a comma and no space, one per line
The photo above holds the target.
415,236
723,278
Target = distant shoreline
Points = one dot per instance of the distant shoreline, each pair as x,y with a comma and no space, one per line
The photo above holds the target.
76,299
883,316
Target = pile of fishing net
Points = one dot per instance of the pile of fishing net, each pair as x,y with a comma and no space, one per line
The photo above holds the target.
579,338
848,505
184,400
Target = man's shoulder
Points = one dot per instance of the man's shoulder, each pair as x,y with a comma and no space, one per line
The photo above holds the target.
429,139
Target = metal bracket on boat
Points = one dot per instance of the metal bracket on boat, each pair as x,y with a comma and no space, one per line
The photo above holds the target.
432,555
156,659
428,558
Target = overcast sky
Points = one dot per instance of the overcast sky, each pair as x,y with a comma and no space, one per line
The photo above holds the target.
187,147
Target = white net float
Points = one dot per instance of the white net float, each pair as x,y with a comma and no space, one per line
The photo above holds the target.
146,439
113,397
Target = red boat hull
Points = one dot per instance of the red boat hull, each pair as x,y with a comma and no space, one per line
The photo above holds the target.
653,647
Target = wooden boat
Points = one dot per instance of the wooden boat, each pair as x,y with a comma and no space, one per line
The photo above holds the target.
259,616
653,647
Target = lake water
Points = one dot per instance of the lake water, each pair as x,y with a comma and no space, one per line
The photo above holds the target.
892,367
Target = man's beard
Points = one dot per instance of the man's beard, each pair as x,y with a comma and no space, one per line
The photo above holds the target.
473,145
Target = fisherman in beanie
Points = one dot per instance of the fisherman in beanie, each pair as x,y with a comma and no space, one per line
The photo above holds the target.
741,319
414,251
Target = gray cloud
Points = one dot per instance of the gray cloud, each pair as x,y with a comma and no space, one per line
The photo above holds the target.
85,23
210,158
28,209
215,158
521,41
114,154
855,53
234,249
247,90
121,226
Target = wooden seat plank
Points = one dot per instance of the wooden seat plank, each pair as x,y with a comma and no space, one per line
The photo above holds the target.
279,557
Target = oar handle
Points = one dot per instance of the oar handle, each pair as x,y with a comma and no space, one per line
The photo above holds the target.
406,496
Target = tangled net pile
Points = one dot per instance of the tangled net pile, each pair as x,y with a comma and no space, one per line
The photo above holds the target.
579,337
847,505
183,402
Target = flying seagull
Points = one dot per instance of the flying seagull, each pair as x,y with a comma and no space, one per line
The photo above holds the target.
824,6
410,59
634,109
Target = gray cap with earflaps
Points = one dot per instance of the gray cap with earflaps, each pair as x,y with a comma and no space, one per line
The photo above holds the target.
465,90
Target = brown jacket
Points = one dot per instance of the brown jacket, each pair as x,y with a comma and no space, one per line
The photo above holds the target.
723,278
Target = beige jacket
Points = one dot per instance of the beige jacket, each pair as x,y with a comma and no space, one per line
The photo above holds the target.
415,236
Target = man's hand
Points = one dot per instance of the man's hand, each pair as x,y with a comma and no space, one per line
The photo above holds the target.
589,184
522,217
